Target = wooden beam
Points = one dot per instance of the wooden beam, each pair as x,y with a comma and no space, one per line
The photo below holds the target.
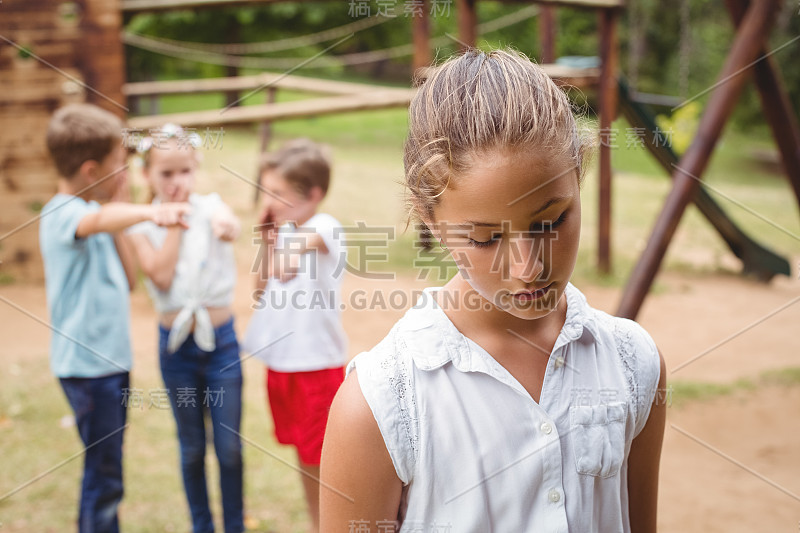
242,83
583,78
103,66
750,39
756,260
587,4
467,23
547,33
137,6
421,36
777,107
282,111
607,97
266,137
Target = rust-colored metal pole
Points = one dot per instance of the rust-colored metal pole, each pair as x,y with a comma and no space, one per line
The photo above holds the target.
749,40
467,23
547,32
777,107
607,96
420,35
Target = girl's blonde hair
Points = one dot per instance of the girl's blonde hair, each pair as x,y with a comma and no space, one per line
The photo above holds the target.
479,102
184,139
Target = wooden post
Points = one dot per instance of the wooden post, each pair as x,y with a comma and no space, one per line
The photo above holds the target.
607,96
266,137
777,108
232,97
547,32
749,40
420,35
103,62
467,23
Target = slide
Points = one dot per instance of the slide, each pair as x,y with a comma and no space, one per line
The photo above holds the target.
757,260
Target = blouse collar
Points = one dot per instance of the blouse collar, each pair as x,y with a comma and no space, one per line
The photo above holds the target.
433,340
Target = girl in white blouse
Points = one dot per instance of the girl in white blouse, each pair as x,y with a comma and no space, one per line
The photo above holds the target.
502,401
191,276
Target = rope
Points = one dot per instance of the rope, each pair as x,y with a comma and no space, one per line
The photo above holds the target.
159,46
273,46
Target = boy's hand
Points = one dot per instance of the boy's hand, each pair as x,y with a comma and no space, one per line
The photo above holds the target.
171,214
225,226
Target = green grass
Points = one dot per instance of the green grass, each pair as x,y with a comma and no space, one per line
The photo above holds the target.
785,376
31,407
684,392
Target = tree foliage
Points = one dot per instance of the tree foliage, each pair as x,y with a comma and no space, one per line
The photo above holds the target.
658,69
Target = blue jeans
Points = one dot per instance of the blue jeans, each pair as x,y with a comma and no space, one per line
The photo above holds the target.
201,381
100,411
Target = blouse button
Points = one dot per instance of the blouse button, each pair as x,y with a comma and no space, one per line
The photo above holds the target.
546,428
559,361
554,495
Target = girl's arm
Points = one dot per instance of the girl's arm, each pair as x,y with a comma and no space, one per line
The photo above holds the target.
358,480
266,259
286,263
159,264
266,254
643,463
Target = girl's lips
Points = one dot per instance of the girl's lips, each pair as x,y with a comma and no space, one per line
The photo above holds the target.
527,296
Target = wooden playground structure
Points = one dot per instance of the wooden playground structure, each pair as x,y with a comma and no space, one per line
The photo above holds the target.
45,61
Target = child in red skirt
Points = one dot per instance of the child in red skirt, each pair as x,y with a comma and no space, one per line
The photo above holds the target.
296,328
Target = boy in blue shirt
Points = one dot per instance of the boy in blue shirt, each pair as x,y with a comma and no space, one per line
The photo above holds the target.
89,271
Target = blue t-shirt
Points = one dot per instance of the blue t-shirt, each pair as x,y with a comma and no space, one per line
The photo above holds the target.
87,294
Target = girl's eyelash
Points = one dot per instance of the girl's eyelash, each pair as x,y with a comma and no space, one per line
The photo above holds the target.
535,228
552,225
484,244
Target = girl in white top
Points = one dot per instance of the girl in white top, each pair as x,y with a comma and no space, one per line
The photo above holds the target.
502,401
191,275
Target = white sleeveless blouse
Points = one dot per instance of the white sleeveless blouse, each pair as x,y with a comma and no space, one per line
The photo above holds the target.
477,454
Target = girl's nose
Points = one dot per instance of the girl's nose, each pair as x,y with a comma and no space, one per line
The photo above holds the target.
525,259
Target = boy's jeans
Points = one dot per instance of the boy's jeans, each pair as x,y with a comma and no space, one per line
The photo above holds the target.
197,381
100,411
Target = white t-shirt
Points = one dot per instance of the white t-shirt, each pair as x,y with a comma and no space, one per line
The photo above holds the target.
297,324
477,454
205,274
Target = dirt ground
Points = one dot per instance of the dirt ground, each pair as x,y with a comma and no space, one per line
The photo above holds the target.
730,463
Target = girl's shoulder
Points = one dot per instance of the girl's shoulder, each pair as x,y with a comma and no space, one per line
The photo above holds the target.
321,219
612,333
635,354
626,335
420,336
386,379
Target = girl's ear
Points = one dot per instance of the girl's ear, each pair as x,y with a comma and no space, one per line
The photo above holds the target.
315,194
